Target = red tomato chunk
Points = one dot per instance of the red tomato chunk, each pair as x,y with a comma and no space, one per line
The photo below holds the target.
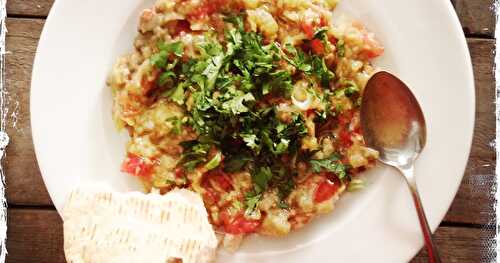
239,225
317,47
308,30
221,179
207,9
325,191
137,166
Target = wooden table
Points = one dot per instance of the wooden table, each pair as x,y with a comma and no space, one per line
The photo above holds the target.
35,229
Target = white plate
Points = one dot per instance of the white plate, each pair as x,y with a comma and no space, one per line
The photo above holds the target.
76,142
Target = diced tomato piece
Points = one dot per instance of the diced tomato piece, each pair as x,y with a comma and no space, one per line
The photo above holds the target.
181,26
325,191
310,112
240,225
225,217
372,53
308,30
137,166
248,226
372,47
238,6
224,182
180,172
345,138
148,82
210,197
207,9
221,179
323,21
345,118
328,175
317,46
333,40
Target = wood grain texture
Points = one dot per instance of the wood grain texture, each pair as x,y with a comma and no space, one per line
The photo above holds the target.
24,181
34,236
38,233
461,245
25,186
474,202
476,16
39,8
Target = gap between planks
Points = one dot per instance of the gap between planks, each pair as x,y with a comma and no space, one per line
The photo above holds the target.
48,208
37,236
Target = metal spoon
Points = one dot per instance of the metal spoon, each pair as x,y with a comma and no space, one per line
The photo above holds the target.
393,124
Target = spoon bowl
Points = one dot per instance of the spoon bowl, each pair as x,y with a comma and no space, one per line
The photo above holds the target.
392,123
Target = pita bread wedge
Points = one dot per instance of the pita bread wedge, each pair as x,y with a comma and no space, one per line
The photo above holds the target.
102,226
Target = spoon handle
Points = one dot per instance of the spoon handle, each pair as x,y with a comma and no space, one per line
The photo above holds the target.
432,250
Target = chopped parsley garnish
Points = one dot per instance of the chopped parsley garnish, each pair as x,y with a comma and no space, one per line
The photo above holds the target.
176,125
321,33
330,164
341,48
227,87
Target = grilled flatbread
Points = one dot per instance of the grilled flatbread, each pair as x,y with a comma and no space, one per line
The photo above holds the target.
102,226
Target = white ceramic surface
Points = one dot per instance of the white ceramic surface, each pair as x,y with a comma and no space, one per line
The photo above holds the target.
75,139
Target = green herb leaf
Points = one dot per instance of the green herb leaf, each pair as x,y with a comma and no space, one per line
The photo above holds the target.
177,48
282,146
341,48
177,125
212,70
298,59
351,90
261,179
331,164
194,153
214,162
237,205
237,21
165,76
177,94
235,163
322,72
251,141
159,60
251,201
236,106
321,33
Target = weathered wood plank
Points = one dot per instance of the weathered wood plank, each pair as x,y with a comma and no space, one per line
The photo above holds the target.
24,182
39,8
462,245
476,16
475,200
25,186
34,236
37,236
